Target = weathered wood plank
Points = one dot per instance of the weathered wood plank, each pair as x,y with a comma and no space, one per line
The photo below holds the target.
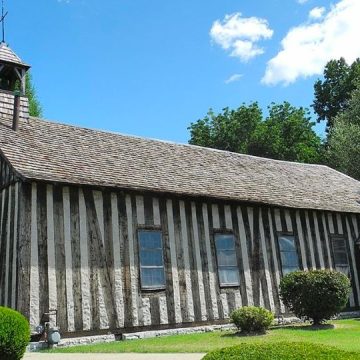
196,239
51,251
84,261
133,270
187,269
118,283
318,240
173,259
3,237
60,258
68,262
76,257
42,249
24,250
265,259
245,257
6,267
34,262
210,263
300,234
15,249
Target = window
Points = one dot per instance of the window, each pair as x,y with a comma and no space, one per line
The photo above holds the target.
340,255
288,254
226,259
152,273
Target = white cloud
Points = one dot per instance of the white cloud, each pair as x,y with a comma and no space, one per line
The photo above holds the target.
240,35
301,2
317,13
308,47
233,78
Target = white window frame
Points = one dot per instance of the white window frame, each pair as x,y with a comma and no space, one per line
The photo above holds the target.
141,267
292,236
220,267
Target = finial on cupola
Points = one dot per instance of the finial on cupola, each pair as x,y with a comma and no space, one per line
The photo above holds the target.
3,16
14,104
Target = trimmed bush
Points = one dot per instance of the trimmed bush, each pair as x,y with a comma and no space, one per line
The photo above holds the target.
281,351
317,295
14,334
252,319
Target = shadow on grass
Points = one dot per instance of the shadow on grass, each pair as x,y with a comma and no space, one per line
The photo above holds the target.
306,327
243,334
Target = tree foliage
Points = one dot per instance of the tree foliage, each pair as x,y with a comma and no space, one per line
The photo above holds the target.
333,93
35,108
231,130
286,134
343,151
316,294
14,334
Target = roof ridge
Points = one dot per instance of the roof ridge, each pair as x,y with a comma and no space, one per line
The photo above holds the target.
202,148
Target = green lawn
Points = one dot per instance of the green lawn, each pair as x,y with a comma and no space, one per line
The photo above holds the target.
345,335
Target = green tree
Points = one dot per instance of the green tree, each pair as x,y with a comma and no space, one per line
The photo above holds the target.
35,108
343,151
286,134
332,94
231,130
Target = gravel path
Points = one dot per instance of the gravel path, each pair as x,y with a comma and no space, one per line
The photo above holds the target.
128,356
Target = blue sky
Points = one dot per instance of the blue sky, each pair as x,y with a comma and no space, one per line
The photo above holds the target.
149,68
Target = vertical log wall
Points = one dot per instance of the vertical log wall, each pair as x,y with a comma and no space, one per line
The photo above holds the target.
9,210
79,253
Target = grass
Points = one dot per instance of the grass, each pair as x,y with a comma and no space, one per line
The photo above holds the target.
345,335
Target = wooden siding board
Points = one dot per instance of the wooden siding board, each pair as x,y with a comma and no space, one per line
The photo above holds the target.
190,317
15,248
68,262
84,261
3,245
51,251
347,238
117,261
24,250
180,260
9,247
169,290
241,297
275,255
246,250
124,211
60,258
34,262
308,236
173,262
76,257
193,266
134,275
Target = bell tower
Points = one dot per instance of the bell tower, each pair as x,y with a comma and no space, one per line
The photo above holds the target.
14,104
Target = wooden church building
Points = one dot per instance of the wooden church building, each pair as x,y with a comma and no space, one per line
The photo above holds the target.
121,233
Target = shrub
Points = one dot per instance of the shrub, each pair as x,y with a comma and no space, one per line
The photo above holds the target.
315,294
14,334
280,351
252,319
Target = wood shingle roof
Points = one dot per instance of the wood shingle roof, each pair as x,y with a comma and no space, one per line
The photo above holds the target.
7,55
48,151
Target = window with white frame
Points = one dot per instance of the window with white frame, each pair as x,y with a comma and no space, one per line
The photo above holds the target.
341,260
288,253
152,274
226,259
